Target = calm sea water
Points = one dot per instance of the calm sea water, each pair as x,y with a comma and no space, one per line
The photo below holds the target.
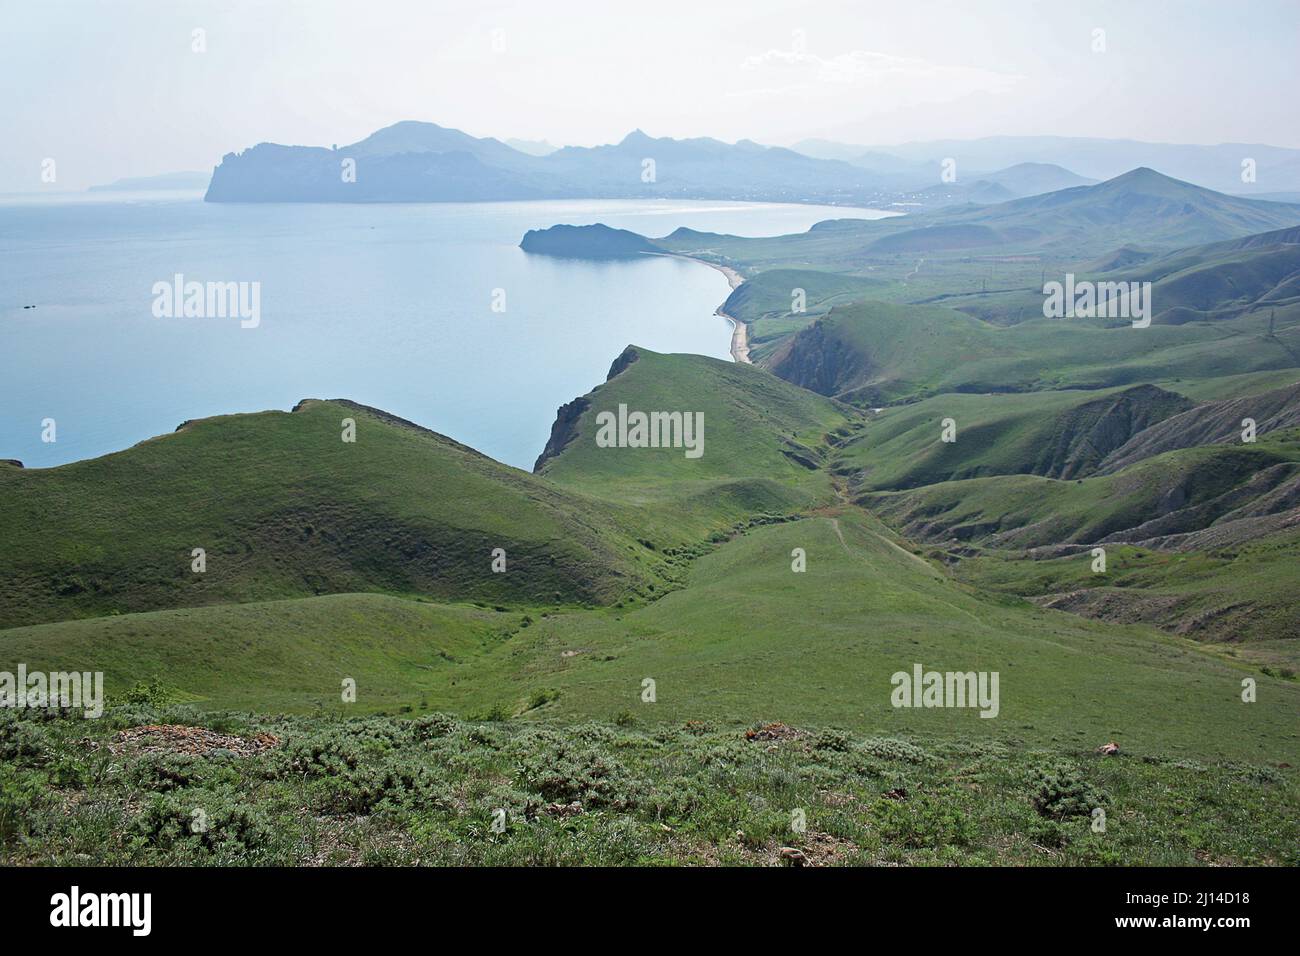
388,305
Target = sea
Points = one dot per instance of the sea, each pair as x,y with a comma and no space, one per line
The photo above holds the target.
429,311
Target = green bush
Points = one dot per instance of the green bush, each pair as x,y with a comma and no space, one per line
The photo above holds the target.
892,749
22,793
1063,792
433,726
149,692
205,822
21,739
924,821
542,697
563,773
162,772
832,740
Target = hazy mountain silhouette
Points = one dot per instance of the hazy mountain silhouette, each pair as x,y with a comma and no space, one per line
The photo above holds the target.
415,162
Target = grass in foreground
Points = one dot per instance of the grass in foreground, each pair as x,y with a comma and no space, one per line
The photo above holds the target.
245,790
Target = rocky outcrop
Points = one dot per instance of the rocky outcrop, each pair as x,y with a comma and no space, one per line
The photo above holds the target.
565,427
1214,423
814,359
272,173
1269,491
597,241
1087,433
563,431
625,358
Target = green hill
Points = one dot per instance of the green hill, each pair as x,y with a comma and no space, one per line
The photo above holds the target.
731,632
764,442
1062,434
874,353
275,656
1141,206
765,302
1235,590
1200,540
1212,423
596,241
1175,493
284,507
746,640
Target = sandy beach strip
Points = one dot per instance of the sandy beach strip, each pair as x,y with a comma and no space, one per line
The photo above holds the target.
739,338
739,330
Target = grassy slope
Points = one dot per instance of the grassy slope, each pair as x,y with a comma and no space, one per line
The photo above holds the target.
1060,434
1029,511
1244,598
273,656
755,427
764,302
991,261
1222,568
750,639
889,352
1232,386
1255,280
284,508
742,639
747,640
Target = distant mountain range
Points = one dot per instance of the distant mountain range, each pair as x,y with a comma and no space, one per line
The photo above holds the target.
423,162
189,181
1276,169
1140,205
1022,179
533,147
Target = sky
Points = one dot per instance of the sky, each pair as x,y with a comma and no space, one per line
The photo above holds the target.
114,89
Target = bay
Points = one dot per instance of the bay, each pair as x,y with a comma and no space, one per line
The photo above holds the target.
387,305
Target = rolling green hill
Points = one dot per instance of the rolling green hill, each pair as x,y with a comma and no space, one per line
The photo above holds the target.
1213,423
874,353
750,639
746,640
1178,492
764,442
1206,283
765,302
1238,593
732,633
1140,207
991,260
1062,434
1200,540
275,656
284,507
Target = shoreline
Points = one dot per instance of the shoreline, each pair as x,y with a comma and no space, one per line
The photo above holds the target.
739,330
739,338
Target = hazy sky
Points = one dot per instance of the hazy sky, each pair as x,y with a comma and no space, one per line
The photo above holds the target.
111,89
